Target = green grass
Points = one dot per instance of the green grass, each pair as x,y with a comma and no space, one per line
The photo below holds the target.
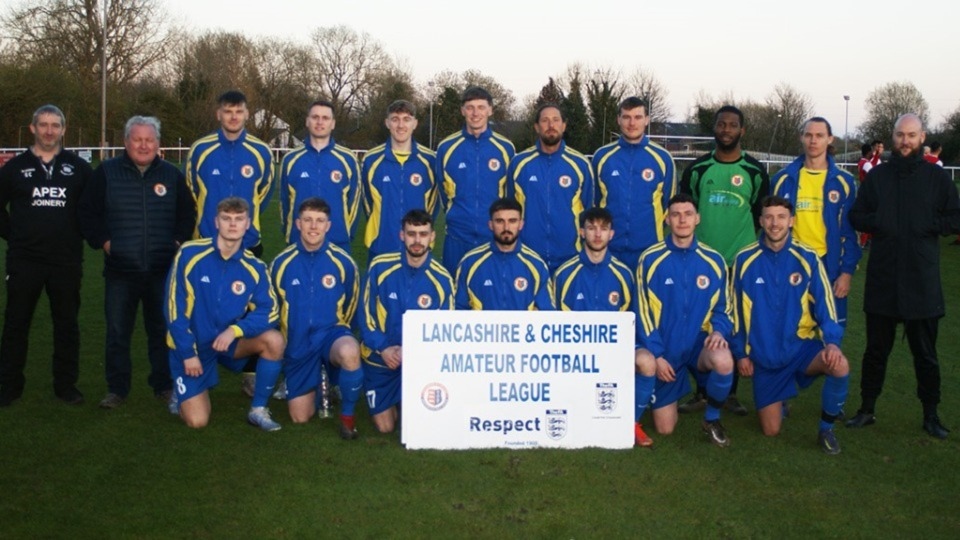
81,472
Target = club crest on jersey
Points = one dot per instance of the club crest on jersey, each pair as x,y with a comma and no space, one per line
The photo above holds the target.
328,281
703,281
647,174
606,397
565,181
434,396
736,180
66,169
520,284
494,164
834,196
556,423
238,287
424,301
795,278
614,298
416,180
336,176
247,171
160,190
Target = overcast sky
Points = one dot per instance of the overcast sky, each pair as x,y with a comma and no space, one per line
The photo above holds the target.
825,49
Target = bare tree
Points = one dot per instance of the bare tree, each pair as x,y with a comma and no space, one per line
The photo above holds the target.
503,99
644,84
348,65
885,103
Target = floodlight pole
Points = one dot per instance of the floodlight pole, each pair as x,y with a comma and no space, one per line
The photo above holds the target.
846,124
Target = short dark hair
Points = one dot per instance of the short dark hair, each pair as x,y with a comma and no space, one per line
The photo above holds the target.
729,109
875,142
321,103
631,103
776,200
233,205
818,119
232,97
402,106
417,216
682,198
935,145
595,215
866,150
475,92
505,203
545,106
314,203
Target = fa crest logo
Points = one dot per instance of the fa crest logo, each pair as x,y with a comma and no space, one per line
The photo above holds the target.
328,281
556,423
520,284
737,180
647,175
66,169
795,278
606,397
247,171
703,281
494,164
614,298
424,301
238,287
416,180
336,176
160,190
565,181
434,396
834,196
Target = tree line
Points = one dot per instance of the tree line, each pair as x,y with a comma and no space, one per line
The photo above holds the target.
52,51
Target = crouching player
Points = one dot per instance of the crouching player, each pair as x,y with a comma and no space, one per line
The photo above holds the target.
787,332
221,308
684,319
595,280
396,282
317,284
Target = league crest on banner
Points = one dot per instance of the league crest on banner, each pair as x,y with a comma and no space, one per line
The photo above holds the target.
434,396
736,180
238,287
834,196
556,421
647,175
565,181
328,281
606,397
424,301
703,281
520,284
494,164
160,190
795,278
247,171
336,176
415,179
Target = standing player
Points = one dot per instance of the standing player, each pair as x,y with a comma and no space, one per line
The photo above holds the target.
554,185
39,196
317,284
635,180
787,332
823,195
595,280
230,163
504,273
397,282
321,168
684,319
727,185
472,170
397,177
220,309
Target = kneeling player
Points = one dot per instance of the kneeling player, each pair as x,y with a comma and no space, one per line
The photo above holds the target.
787,328
595,280
684,319
220,309
317,284
395,283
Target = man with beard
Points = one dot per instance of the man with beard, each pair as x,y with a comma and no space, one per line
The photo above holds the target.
684,319
905,204
397,282
472,171
635,180
554,185
787,332
504,273
39,198
822,194
727,185
595,280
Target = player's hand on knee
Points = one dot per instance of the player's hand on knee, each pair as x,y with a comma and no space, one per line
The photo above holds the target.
665,371
745,367
192,367
223,341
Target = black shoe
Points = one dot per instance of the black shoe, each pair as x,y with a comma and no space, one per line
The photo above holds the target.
932,425
716,433
862,419
695,404
70,396
733,405
348,430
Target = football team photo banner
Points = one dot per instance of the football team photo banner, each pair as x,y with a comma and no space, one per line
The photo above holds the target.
517,379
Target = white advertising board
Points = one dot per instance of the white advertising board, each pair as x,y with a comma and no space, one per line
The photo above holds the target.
517,379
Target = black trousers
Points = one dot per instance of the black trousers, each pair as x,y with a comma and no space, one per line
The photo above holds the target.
922,339
25,281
